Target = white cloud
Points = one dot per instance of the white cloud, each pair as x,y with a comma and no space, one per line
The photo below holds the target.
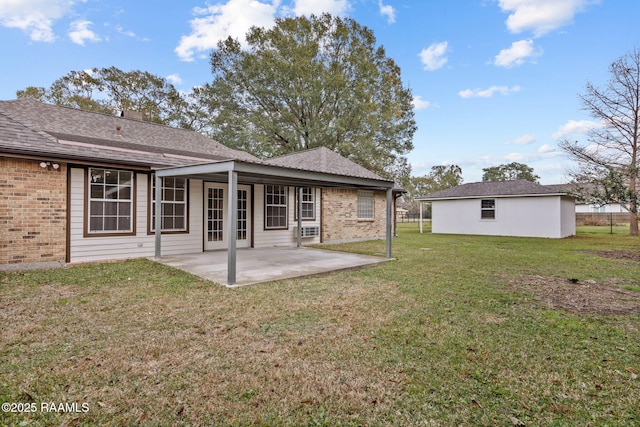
489,92
79,32
35,17
387,11
576,128
546,148
541,16
419,103
221,20
317,7
516,54
522,140
174,79
235,17
434,57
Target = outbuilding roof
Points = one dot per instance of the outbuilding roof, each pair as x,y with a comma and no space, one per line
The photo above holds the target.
493,189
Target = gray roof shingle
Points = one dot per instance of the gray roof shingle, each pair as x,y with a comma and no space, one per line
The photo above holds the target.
323,160
28,126
493,189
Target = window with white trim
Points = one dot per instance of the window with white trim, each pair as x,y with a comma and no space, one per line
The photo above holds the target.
488,209
110,201
308,203
365,205
174,204
275,206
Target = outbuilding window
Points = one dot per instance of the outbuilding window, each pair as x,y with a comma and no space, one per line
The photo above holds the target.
488,209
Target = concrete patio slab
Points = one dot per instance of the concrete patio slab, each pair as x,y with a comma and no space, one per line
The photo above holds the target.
269,264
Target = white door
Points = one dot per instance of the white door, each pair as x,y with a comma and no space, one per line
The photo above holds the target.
215,214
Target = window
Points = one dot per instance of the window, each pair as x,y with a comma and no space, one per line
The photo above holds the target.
275,203
215,214
242,215
174,204
488,209
365,205
308,203
110,198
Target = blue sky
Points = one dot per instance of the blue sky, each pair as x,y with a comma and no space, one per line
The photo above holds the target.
494,81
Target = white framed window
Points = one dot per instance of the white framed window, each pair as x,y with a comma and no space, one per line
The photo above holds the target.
110,201
308,203
174,204
275,207
488,209
365,205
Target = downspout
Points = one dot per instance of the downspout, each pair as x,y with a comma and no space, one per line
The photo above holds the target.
389,217
158,204
299,210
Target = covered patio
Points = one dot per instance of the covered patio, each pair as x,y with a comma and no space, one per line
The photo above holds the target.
242,266
270,264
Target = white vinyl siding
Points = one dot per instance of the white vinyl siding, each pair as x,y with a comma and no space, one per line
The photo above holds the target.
535,216
140,244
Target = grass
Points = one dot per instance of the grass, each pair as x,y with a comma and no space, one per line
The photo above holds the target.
451,333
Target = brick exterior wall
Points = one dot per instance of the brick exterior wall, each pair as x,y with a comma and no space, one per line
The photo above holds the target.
33,212
340,216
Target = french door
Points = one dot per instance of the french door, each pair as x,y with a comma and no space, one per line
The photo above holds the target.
216,202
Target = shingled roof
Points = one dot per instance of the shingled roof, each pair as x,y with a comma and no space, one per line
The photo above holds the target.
493,189
323,160
30,127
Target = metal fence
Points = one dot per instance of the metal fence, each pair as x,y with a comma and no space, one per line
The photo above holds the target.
409,217
601,218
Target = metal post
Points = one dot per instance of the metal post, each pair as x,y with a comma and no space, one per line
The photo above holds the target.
420,202
232,229
158,205
299,210
389,220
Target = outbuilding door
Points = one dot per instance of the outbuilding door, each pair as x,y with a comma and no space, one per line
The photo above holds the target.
215,214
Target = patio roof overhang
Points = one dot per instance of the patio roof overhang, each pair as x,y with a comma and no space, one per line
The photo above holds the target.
234,172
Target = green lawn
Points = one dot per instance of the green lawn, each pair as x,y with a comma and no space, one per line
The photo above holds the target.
458,330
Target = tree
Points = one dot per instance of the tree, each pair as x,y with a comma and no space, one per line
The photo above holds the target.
107,90
440,178
609,158
312,82
509,172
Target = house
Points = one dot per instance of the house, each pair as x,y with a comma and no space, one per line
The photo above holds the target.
79,186
504,208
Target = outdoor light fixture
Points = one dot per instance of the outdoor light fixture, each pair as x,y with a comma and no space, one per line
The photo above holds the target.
49,165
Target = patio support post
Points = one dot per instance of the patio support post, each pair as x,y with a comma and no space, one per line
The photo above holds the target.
420,203
299,210
389,220
158,204
232,233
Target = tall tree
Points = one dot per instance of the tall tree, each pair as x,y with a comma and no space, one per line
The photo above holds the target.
107,90
311,82
609,158
509,172
440,178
